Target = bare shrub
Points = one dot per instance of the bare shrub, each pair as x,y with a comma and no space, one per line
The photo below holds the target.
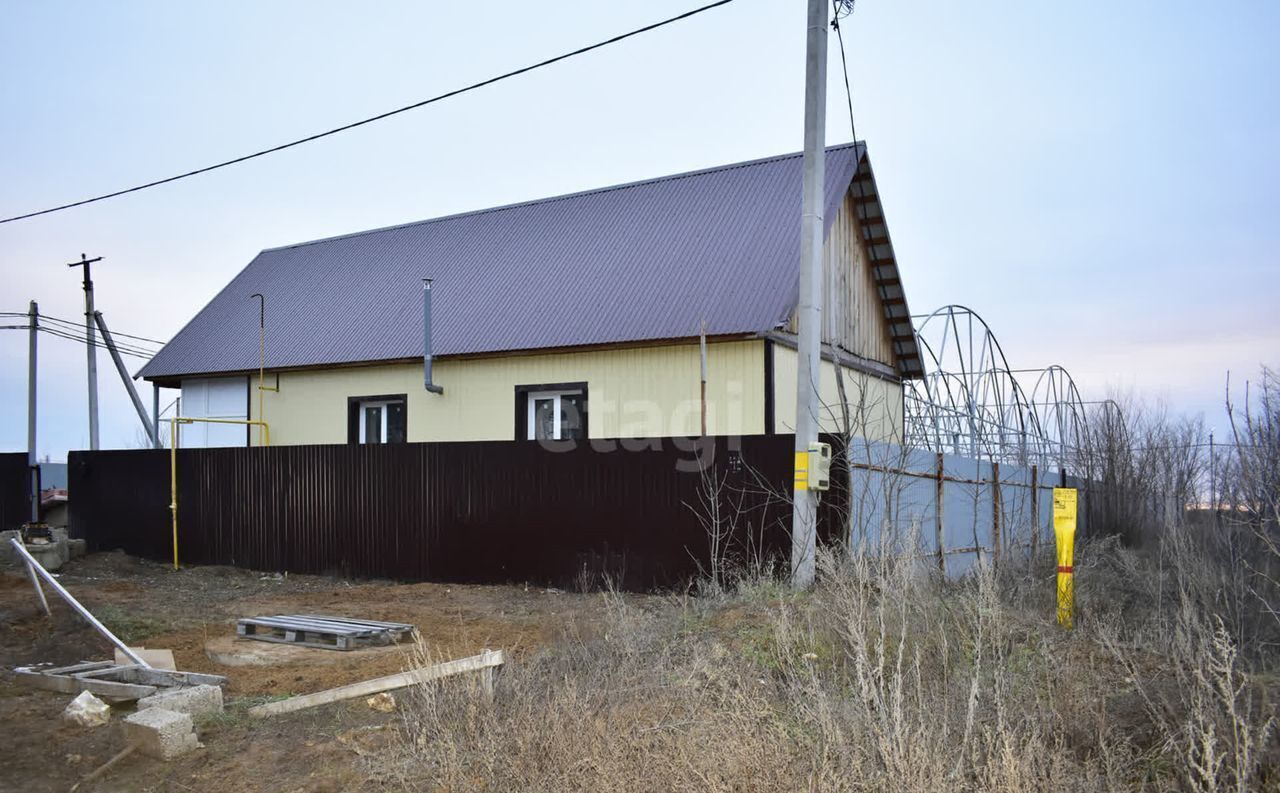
886,677
891,677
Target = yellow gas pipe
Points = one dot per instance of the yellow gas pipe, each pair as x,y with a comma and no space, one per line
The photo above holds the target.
173,462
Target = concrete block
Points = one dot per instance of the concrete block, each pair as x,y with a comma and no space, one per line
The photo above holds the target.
193,700
158,659
77,548
49,555
160,733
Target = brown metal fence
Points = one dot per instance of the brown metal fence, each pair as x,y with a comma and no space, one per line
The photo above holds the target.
15,503
473,511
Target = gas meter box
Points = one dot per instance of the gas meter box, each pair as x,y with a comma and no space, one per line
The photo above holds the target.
819,466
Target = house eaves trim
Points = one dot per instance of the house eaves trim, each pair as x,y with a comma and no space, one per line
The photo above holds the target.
885,275
174,380
842,357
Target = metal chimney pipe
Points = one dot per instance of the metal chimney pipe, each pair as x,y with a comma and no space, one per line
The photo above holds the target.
426,339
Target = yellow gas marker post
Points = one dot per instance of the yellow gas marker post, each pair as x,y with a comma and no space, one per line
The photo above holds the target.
1064,529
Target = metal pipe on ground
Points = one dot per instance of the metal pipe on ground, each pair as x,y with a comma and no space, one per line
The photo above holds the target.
36,568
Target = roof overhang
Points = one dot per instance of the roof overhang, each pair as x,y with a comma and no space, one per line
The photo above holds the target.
885,275
175,380
838,355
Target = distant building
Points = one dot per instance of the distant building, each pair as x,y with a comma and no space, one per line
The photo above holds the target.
53,507
576,316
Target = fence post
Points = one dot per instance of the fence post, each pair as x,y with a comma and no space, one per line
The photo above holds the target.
937,516
1035,510
995,514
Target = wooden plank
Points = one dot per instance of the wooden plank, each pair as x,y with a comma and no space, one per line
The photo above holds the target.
74,685
485,660
84,666
106,672
310,626
170,679
287,623
326,623
262,637
386,625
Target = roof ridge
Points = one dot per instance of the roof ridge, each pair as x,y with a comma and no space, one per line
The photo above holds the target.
563,196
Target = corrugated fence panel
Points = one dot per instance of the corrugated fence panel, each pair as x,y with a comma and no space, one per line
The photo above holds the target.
15,501
475,511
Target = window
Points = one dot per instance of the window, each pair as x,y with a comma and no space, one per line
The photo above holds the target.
555,412
377,419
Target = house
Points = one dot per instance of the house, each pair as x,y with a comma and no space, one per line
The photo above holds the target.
577,316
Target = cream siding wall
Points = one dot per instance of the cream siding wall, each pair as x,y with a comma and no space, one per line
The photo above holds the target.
636,392
875,404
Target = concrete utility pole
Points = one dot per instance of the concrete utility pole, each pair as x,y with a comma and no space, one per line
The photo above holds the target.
124,377
33,465
90,347
809,311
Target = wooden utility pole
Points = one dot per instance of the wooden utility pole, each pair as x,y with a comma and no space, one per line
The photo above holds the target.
809,309
91,347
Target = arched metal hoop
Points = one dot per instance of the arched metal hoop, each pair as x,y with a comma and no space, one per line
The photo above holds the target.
970,402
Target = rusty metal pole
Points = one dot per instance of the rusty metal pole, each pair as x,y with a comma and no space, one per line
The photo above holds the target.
939,492
995,514
1035,510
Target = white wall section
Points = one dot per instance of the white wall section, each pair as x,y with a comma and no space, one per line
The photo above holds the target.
215,398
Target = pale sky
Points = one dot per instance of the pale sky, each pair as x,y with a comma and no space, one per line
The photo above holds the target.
1101,181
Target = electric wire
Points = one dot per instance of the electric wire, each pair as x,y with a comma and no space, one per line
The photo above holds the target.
78,326
114,333
379,117
123,349
847,7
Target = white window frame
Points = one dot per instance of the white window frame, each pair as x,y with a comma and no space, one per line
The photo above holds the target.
532,398
375,403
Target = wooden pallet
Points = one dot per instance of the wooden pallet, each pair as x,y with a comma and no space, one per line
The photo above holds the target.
326,633
111,681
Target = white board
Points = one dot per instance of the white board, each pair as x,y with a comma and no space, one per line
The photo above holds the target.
215,398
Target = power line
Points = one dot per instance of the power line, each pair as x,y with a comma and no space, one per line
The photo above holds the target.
80,325
135,352
123,349
77,325
379,117
842,9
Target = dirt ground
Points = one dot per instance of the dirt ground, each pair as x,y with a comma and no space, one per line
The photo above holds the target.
149,604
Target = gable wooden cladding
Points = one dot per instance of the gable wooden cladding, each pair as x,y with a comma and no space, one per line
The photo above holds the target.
853,314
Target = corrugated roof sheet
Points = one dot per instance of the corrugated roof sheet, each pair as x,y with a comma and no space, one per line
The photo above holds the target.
641,261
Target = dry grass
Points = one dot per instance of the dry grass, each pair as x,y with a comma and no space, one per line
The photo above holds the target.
883,679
